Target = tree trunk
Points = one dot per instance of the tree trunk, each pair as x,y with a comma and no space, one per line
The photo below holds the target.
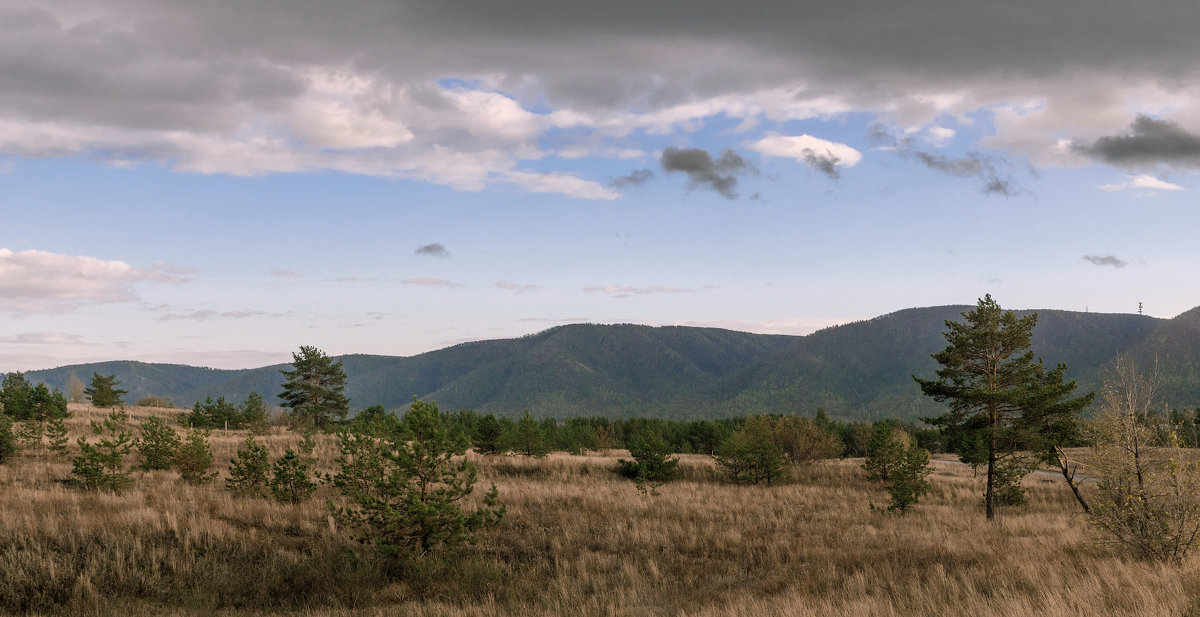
1069,475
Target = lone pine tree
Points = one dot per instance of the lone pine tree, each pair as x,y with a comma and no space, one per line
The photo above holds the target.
104,391
313,389
994,384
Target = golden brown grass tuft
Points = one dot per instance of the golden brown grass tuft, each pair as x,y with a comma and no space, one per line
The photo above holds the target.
578,540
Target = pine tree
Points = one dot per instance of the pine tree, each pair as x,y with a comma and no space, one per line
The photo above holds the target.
102,465
652,466
993,383
885,450
15,392
8,442
248,471
528,438
104,391
489,436
158,444
290,481
254,414
751,455
910,479
194,457
405,498
313,389
56,436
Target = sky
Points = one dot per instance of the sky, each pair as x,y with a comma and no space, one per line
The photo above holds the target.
218,183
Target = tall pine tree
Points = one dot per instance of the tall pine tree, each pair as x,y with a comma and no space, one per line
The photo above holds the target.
313,389
994,384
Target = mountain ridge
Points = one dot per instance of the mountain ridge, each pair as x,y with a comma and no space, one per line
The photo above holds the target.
858,370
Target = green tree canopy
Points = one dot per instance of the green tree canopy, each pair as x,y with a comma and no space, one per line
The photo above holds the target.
993,383
313,389
104,391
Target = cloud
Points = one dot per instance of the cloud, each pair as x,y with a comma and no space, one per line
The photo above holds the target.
425,281
208,314
1106,260
1148,142
821,155
38,281
623,291
995,171
184,86
48,338
432,250
514,287
286,274
1141,181
637,177
720,175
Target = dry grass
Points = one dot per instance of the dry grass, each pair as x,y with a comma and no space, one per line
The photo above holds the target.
578,540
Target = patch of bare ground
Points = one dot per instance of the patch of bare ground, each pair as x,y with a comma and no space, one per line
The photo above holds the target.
578,540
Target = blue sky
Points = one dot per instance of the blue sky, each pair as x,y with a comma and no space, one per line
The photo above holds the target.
219,183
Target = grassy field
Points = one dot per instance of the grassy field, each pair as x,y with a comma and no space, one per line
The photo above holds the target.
578,540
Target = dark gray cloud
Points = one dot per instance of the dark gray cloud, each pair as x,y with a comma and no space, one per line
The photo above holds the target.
1148,142
1106,260
824,163
216,85
637,177
996,172
432,250
703,171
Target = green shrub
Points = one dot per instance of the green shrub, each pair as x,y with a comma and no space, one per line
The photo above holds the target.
157,445
290,481
652,465
101,466
248,471
910,478
194,458
751,455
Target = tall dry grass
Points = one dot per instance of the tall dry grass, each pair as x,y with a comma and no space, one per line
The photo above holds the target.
578,540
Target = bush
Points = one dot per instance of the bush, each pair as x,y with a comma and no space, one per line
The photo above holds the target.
805,442
248,471
158,444
56,436
910,478
101,466
751,455
194,458
651,466
156,401
885,450
290,481
402,494
8,442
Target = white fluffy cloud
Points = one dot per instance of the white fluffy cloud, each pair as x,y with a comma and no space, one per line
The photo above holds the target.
803,147
1141,181
40,281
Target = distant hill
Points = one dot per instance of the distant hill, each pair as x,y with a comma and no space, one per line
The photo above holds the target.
860,370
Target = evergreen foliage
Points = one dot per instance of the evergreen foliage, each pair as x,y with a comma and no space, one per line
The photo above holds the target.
248,470
217,414
101,466
157,444
885,451
488,436
403,495
193,457
313,389
56,436
8,441
528,438
15,392
652,466
910,479
992,382
290,479
254,414
751,455
104,392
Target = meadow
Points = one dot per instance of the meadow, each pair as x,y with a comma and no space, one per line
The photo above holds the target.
577,540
